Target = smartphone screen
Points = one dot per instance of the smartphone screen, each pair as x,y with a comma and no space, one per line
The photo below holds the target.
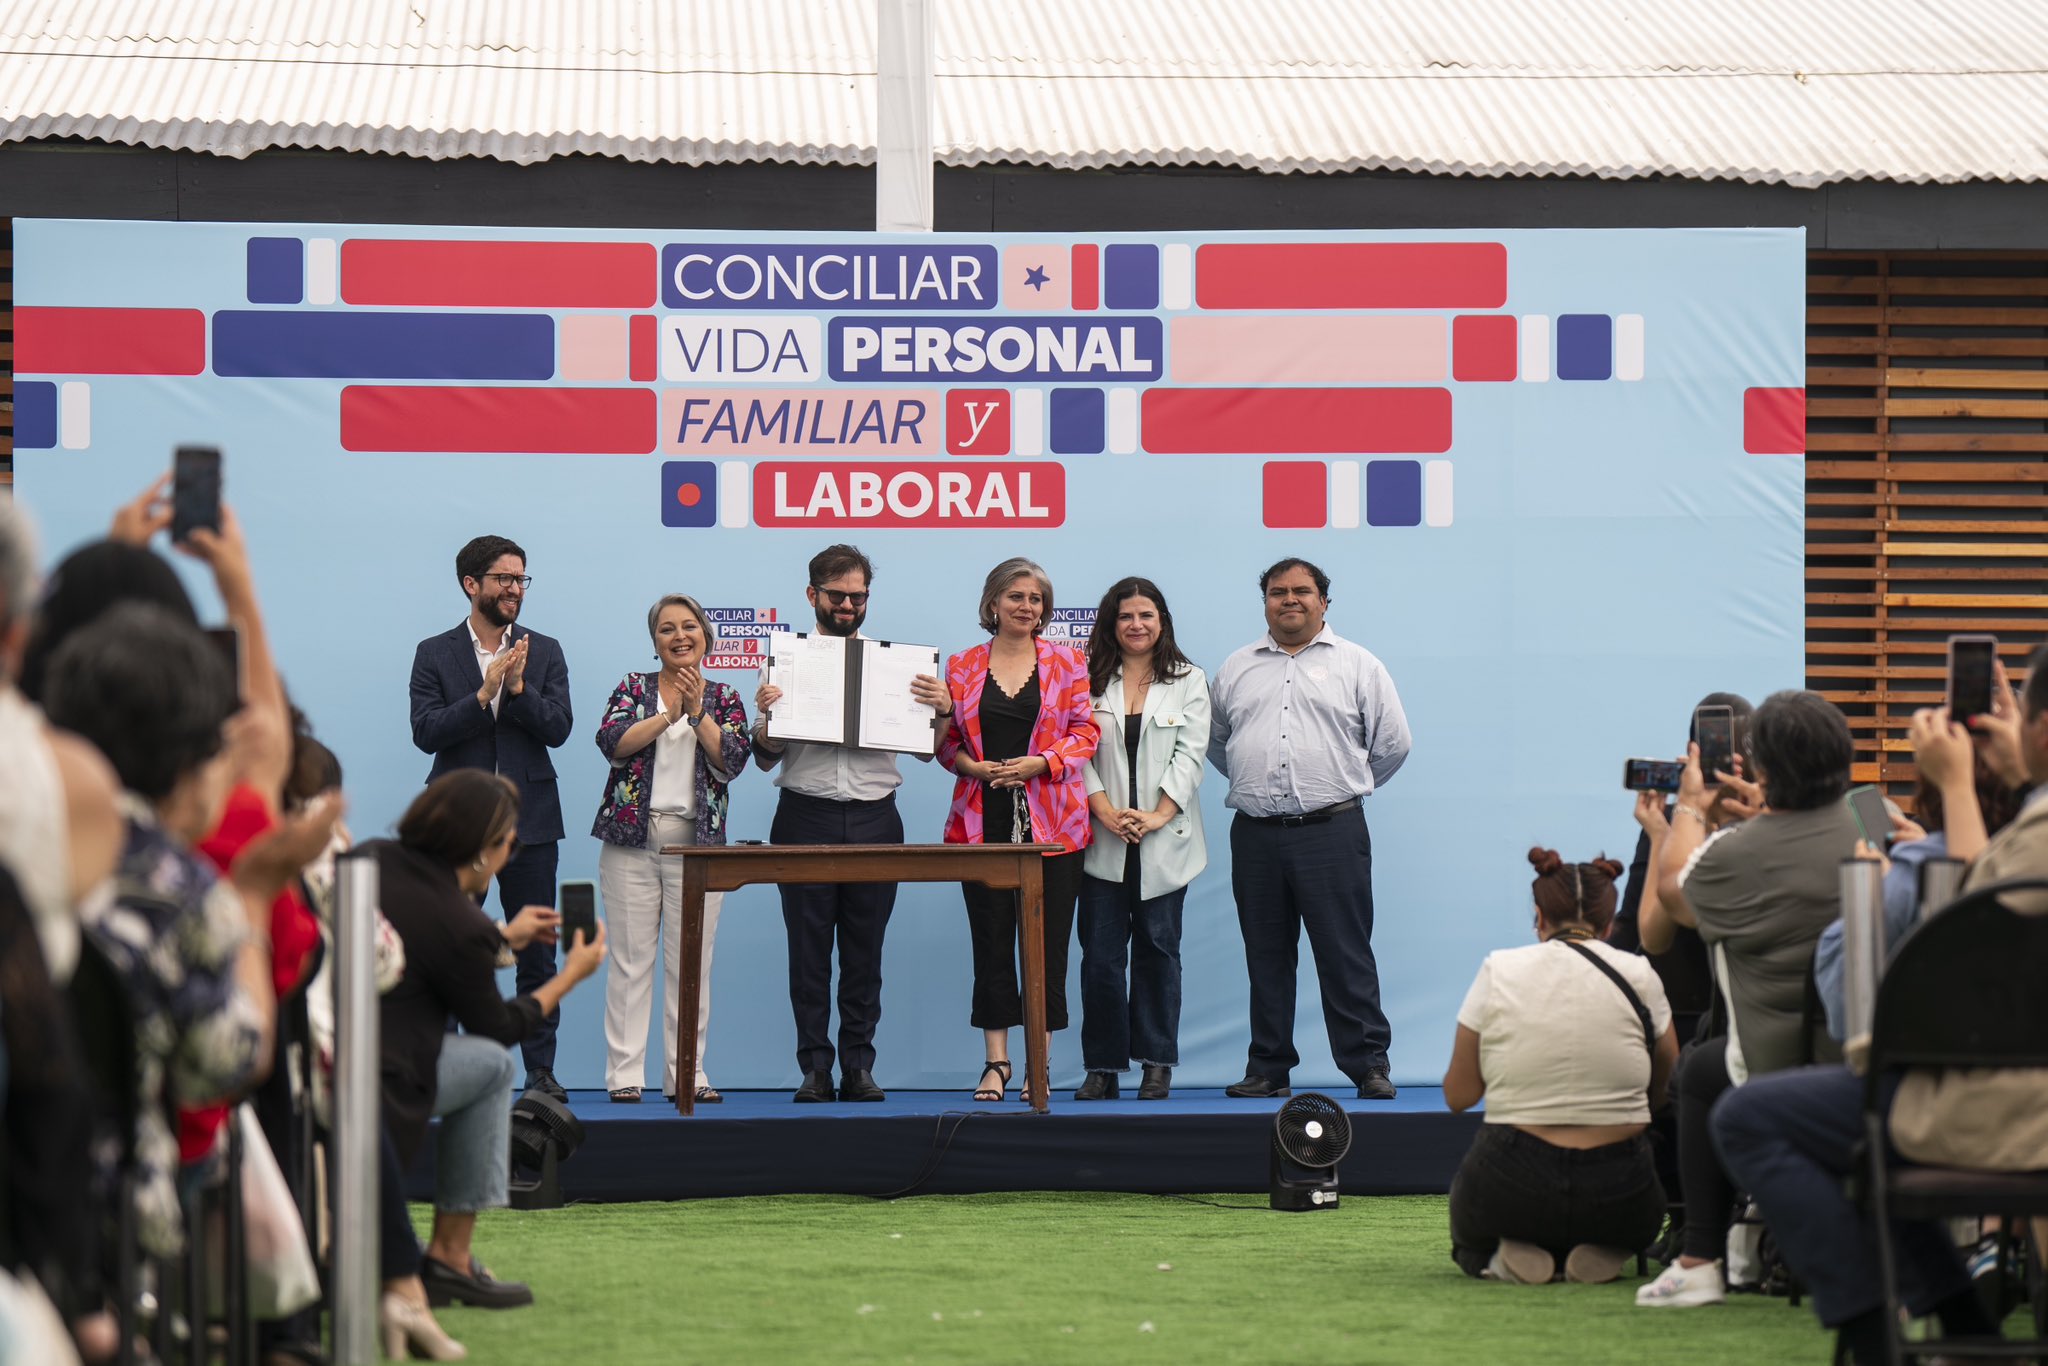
1714,730
1867,802
578,905
228,641
1970,663
195,490
1652,775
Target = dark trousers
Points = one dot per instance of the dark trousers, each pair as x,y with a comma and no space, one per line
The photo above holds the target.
1319,875
398,1247
992,925
1708,1194
1116,924
858,914
529,880
1790,1138
1515,1185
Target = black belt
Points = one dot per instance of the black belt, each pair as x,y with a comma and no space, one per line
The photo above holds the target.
838,801
1316,817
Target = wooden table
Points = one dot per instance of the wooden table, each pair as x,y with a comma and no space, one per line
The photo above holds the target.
728,867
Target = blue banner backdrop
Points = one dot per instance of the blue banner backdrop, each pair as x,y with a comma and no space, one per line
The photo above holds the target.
1544,469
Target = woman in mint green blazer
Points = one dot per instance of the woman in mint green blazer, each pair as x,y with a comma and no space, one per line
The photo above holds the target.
1152,706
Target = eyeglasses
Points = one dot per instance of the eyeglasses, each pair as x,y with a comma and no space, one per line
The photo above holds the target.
508,580
840,598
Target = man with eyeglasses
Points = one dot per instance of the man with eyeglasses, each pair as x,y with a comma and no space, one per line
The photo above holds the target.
492,694
836,794
1305,726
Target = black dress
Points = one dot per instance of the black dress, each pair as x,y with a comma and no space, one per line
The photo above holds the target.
1006,724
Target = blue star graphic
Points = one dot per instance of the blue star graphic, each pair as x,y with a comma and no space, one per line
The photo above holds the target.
1035,277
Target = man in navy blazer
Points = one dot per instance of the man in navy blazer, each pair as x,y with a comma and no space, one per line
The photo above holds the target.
492,694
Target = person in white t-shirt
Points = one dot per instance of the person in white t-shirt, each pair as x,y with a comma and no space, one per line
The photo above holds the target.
1569,1042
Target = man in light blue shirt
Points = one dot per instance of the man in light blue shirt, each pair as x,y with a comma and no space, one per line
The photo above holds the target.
1305,726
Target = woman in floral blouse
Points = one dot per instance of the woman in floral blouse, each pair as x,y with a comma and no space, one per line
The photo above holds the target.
675,740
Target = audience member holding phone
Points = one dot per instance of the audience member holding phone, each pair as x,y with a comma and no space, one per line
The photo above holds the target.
675,741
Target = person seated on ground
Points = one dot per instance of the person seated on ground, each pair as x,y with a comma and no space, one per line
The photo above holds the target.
451,843
1754,866
192,951
1791,1138
1569,1041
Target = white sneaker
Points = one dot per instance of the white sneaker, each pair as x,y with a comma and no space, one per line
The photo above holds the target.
1683,1287
1521,1263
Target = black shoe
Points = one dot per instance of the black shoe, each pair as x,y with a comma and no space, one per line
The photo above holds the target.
1099,1086
1158,1083
817,1087
1376,1087
859,1084
1256,1087
542,1079
478,1288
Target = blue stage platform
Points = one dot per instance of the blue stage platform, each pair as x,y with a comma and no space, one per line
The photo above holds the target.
942,1143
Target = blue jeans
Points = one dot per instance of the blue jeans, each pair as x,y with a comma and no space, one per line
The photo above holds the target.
1115,925
1788,1139
473,1101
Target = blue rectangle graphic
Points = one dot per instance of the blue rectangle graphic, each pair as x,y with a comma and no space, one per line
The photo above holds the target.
1130,275
689,495
1077,421
35,415
921,350
827,277
1585,346
1393,493
277,270
276,345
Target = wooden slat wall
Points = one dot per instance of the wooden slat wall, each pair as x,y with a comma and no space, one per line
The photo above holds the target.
1926,477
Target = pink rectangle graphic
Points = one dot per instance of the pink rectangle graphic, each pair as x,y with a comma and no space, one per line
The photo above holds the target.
394,417
1356,349
500,274
757,421
1351,275
109,341
1296,421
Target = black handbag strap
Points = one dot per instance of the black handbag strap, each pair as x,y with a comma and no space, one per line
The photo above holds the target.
1635,1002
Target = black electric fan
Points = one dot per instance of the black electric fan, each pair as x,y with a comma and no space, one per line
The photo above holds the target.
544,1135
1311,1134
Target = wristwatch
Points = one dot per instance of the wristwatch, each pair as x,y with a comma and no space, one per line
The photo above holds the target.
695,721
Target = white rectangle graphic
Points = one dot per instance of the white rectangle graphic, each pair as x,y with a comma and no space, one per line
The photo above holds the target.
1344,502
1027,422
1535,332
1628,346
744,349
735,489
320,271
1176,275
74,415
1123,421
1436,493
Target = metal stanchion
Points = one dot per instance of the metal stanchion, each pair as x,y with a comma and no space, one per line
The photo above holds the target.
1940,880
356,1111
1862,887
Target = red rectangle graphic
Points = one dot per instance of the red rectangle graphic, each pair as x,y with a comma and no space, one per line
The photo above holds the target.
643,348
109,341
500,274
395,417
992,494
1087,277
1351,275
1296,421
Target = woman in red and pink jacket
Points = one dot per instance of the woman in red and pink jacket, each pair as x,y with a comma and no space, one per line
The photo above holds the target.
1022,732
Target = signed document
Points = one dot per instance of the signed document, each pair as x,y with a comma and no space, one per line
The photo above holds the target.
890,718
810,668
837,691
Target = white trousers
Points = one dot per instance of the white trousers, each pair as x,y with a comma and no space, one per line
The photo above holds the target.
643,901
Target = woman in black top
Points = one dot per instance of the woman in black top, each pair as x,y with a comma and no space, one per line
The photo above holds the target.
451,842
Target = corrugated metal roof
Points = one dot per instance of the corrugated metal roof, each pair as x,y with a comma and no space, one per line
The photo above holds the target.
1761,90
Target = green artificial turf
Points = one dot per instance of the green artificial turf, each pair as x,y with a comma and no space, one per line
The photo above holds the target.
1059,1278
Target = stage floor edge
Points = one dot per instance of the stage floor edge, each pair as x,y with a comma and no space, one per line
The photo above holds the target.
942,1143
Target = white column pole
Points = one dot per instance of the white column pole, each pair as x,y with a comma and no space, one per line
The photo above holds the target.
357,1111
903,116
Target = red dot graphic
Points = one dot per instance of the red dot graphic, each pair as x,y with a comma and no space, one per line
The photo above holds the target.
689,495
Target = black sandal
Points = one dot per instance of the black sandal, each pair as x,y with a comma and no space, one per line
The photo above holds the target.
1001,1068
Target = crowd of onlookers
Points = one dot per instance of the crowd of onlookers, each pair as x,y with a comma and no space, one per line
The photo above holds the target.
169,835
1681,1061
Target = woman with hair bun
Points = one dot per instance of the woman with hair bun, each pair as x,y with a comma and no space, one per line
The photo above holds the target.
1569,1041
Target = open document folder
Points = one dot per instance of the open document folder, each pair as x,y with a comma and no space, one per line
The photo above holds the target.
837,691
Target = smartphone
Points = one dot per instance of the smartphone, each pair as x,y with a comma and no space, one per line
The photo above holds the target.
578,905
1872,818
195,490
1713,729
228,641
1971,661
1651,775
